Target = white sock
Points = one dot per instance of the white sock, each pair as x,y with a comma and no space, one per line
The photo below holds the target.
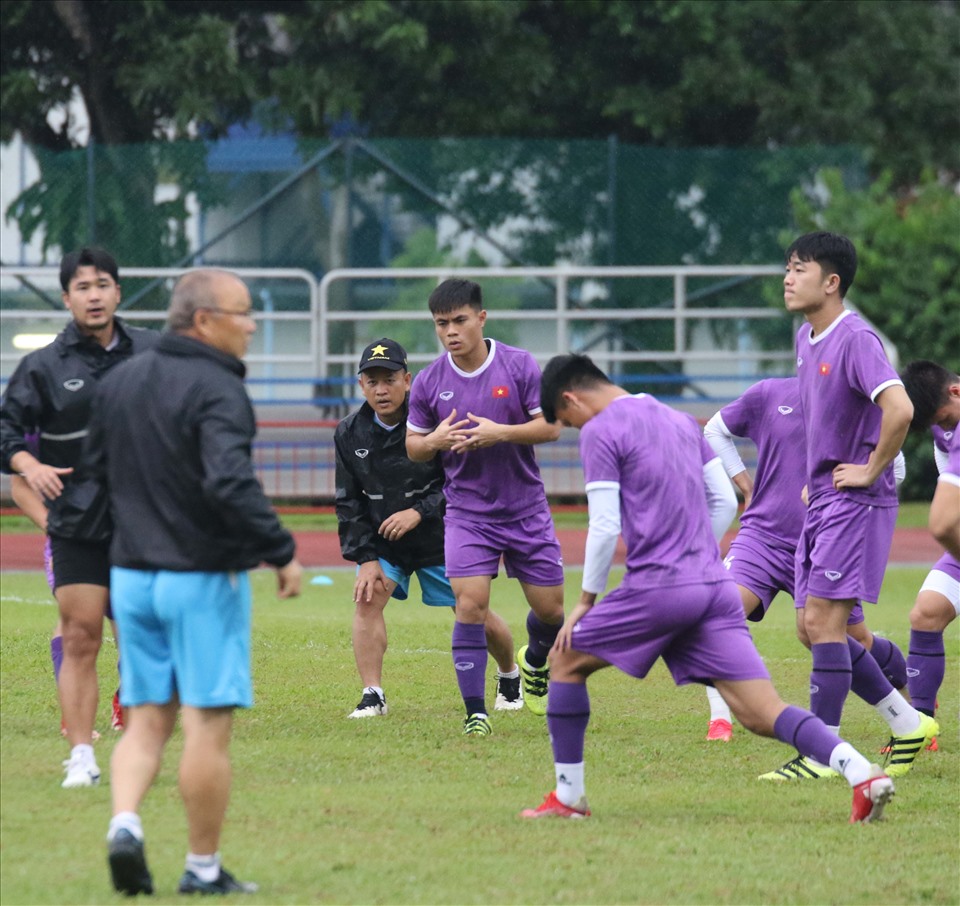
206,868
83,752
510,674
569,783
846,760
719,710
128,821
376,689
902,717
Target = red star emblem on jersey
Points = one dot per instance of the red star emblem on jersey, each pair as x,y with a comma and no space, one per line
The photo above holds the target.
824,368
500,392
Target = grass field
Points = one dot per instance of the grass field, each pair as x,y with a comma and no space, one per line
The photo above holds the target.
402,809
912,514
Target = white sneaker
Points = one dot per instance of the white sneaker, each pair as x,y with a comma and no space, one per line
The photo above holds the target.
509,693
80,772
371,705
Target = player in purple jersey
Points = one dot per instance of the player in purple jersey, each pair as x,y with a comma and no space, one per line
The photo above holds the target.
478,408
761,556
856,414
644,480
935,394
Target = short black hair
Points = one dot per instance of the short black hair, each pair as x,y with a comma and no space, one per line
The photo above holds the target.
453,294
927,384
834,253
88,256
567,372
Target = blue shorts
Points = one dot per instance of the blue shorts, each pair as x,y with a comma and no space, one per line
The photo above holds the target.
184,634
434,584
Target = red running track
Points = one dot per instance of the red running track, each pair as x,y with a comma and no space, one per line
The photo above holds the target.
322,549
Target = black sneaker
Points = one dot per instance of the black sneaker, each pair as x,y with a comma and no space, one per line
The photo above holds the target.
371,705
224,884
128,864
509,693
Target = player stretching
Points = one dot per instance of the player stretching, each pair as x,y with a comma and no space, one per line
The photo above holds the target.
644,480
390,520
761,556
935,394
856,415
478,407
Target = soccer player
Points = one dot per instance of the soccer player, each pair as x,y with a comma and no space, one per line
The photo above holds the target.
190,519
644,479
390,520
49,394
935,394
478,408
856,414
761,556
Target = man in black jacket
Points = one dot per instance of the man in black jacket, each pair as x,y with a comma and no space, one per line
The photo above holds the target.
390,519
170,441
49,396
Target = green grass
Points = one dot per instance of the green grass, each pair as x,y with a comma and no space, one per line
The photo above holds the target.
911,515
404,810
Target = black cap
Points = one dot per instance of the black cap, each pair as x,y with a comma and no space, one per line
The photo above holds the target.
384,353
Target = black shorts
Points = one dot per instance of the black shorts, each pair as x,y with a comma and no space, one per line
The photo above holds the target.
80,562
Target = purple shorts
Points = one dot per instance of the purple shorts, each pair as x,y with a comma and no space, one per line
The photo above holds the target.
761,568
766,570
698,630
950,566
843,550
529,547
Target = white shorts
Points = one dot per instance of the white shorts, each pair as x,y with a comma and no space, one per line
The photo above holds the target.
945,585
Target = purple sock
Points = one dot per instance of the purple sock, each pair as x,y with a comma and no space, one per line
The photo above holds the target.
867,679
829,681
925,669
568,713
806,733
56,655
470,661
540,639
891,661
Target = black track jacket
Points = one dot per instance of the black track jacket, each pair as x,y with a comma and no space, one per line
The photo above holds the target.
376,479
170,442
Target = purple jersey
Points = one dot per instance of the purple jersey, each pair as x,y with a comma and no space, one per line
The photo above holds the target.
769,414
841,373
500,482
952,471
654,454
941,438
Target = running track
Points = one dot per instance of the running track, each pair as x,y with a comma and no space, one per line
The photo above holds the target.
322,549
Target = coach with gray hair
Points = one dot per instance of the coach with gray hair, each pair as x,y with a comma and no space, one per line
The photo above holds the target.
170,443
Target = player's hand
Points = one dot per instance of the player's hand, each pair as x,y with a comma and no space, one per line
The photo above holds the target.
805,496
370,579
289,578
448,433
394,527
483,433
851,475
44,480
565,636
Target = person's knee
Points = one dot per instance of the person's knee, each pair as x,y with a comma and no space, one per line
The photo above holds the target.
82,638
930,614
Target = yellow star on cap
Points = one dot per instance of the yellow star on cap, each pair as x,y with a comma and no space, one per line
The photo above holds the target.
379,349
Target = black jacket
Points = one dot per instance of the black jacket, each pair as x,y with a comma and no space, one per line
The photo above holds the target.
49,396
170,441
376,479
51,389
